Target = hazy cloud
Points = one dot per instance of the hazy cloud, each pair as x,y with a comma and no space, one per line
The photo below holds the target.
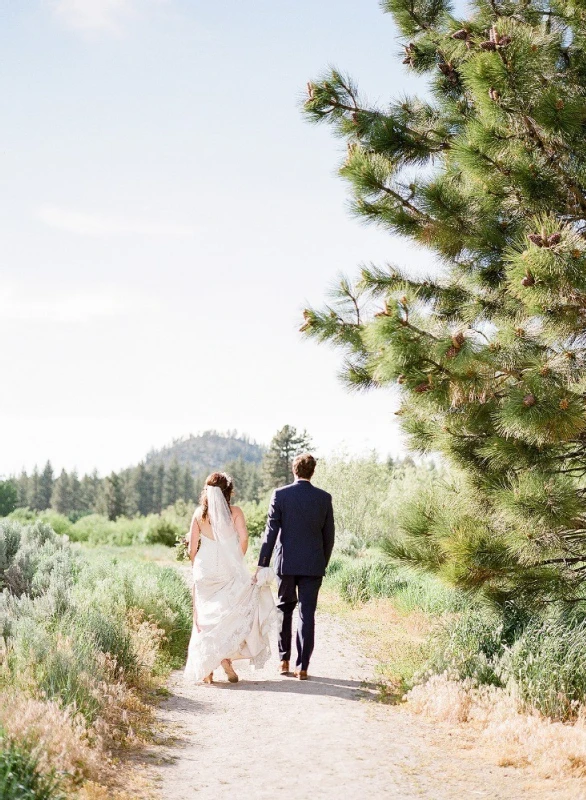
17,304
84,224
99,15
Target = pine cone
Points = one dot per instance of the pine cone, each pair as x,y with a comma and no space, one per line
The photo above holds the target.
564,404
528,280
423,387
410,51
554,239
529,400
536,239
458,339
488,45
401,379
494,95
503,41
461,34
559,105
449,71
452,352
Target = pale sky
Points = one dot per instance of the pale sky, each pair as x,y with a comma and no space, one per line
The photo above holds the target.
166,215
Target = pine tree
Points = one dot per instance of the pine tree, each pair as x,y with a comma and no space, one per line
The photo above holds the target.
158,488
76,501
187,491
61,497
22,489
278,462
489,172
172,485
142,490
46,482
90,492
8,497
114,496
34,498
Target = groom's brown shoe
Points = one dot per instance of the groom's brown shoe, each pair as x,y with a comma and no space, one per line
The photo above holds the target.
284,669
301,674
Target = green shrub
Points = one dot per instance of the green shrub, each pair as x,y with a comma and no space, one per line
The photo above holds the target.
59,522
61,615
19,777
23,515
255,515
163,530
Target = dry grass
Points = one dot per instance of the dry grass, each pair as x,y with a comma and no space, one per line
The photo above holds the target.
57,738
553,749
397,641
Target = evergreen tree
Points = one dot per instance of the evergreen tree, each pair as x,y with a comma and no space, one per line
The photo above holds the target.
8,497
142,485
114,496
278,462
61,497
34,498
187,491
22,489
173,484
90,492
45,490
76,501
158,488
490,174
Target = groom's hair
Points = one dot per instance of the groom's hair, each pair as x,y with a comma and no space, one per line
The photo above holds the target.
304,466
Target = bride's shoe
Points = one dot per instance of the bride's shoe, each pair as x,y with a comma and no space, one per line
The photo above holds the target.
209,678
229,670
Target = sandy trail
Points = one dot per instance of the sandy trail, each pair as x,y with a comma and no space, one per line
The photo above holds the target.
326,738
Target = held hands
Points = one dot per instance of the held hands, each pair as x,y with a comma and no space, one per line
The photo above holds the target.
255,576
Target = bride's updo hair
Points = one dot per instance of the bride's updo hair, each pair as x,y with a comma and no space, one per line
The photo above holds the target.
226,484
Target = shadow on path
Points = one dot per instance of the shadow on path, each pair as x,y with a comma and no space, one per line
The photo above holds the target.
315,686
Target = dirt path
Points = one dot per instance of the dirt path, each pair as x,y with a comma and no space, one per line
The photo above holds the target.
273,737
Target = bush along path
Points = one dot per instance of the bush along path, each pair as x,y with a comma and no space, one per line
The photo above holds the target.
273,736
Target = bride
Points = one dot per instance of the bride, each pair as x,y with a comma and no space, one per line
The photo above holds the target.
232,615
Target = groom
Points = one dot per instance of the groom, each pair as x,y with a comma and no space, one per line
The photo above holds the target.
301,525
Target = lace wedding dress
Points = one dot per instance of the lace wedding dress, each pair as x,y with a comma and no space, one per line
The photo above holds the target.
235,616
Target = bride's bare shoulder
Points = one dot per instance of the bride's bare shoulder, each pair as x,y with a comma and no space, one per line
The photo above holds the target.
236,511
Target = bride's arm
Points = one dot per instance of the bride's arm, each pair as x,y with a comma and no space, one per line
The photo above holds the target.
241,530
194,534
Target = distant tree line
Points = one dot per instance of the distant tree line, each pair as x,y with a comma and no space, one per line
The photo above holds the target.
138,490
149,487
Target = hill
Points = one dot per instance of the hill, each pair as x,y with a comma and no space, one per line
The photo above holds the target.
208,451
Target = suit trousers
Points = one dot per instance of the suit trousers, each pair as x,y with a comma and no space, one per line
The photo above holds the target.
302,589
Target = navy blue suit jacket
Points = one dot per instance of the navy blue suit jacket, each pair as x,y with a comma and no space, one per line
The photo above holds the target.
300,528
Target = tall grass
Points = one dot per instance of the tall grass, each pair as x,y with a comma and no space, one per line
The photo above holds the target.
20,778
371,575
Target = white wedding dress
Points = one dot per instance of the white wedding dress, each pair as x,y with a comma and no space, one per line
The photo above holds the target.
235,616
